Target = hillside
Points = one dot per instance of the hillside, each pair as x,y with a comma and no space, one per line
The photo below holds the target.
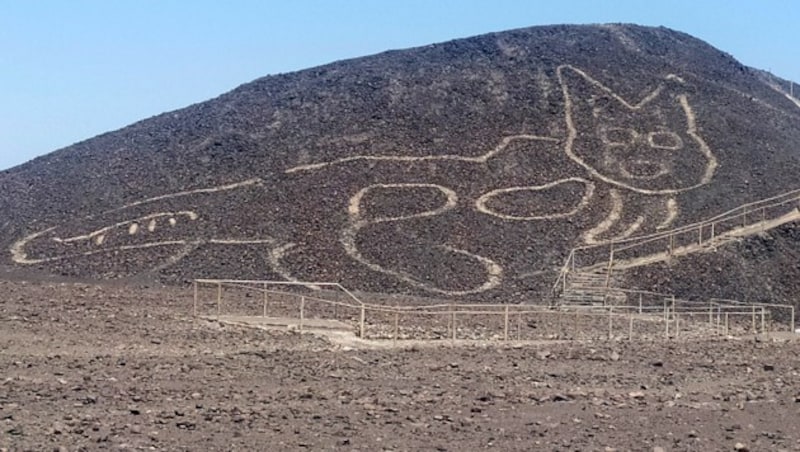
463,169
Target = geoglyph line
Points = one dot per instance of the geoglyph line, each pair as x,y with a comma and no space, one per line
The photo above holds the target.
614,214
102,231
354,207
246,183
348,239
481,203
357,220
21,257
672,214
572,131
275,258
504,143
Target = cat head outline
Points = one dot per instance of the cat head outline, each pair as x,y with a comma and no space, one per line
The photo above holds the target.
650,147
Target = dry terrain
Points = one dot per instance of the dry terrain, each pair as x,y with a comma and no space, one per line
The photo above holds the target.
87,367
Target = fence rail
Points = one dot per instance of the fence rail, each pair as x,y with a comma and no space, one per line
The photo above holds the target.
647,315
641,250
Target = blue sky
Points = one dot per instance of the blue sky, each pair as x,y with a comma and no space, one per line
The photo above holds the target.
73,69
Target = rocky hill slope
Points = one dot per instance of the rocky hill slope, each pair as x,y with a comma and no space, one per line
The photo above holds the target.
463,169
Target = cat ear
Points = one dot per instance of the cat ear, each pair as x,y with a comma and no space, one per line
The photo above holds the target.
587,96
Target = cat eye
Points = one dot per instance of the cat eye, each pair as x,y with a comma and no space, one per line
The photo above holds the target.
618,136
665,140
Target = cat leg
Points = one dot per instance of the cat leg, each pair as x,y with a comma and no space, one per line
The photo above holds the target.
409,253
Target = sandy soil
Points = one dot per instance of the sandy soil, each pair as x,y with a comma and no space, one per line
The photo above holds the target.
86,367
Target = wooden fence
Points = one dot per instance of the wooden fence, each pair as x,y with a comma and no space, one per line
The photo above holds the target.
640,250
647,316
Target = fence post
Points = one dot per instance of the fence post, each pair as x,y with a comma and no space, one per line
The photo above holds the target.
577,309
763,321
396,323
640,303
791,327
677,324
264,313
700,235
630,325
727,331
712,230
505,324
449,321
610,323
194,308
666,320
453,317
302,313
219,297
754,320
362,321
671,243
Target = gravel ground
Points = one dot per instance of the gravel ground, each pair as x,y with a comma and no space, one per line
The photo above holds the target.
88,367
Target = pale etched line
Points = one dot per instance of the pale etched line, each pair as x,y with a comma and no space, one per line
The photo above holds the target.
21,257
241,241
246,183
494,272
102,231
275,258
712,164
675,77
635,226
572,131
662,170
411,159
672,214
779,89
17,249
451,199
177,257
646,100
481,203
589,237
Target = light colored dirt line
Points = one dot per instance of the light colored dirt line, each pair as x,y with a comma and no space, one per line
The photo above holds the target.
705,247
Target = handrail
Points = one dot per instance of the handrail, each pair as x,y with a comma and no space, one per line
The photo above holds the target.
793,195
637,241
281,283
671,312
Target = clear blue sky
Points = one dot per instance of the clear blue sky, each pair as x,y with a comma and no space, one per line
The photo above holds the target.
72,69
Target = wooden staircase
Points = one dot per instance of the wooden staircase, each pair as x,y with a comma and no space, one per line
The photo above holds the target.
591,288
596,282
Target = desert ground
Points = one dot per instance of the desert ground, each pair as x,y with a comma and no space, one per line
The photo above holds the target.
113,367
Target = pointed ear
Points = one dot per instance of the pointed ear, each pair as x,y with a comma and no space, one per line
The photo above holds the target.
588,97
